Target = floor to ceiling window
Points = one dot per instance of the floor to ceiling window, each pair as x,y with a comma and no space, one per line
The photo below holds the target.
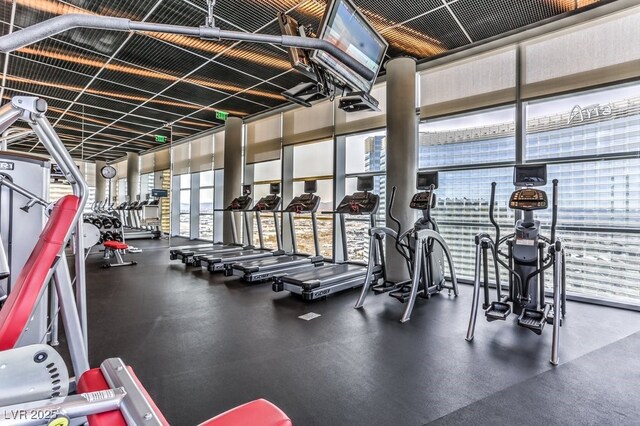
592,140
185,205
264,174
365,154
205,229
469,151
315,161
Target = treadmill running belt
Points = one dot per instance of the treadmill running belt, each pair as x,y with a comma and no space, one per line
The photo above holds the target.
326,274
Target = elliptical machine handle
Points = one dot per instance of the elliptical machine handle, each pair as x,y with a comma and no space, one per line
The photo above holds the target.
491,208
432,187
554,214
390,209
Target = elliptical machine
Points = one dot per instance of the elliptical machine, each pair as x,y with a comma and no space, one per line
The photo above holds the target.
422,247
529,255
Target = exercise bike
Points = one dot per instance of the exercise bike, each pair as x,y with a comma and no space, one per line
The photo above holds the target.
422,247
529,254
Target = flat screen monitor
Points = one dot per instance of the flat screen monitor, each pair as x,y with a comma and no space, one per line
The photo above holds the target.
346,28
246,190
274,188
530,175
424,180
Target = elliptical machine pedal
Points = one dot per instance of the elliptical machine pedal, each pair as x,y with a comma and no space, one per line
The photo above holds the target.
533,319
497,311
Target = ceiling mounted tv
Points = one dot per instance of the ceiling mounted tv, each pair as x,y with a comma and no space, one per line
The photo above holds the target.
346,28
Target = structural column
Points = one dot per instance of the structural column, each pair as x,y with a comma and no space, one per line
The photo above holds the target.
101,183
133,176
232,173
402,135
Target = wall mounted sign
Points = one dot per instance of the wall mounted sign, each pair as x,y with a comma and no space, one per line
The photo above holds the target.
579,114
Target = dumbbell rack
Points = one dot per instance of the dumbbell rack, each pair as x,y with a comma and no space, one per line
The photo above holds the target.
110,227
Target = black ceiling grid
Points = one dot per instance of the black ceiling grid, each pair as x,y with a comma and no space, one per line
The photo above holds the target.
156,79
489,18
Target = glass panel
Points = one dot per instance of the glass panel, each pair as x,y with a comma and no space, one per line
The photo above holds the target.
185,181
206,227
597,199
462,211
206,201
304,233
185,201
184,225
206,179
366,152
314,159
267,171
591,123
477,138
122,190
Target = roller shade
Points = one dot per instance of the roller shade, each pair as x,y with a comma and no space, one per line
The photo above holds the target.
180,159
353,122
90,174
478,82
202,154
88,171
264,139
308,124
218,150
598,52
121,169
161,160
147,163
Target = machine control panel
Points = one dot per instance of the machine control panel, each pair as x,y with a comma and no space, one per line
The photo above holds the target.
529,199
305,203
269,203
243,202
420,201
359,203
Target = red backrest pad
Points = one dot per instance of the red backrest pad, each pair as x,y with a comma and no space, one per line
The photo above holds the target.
26,290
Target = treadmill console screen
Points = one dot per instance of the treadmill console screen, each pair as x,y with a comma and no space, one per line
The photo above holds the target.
274,189
310,186
424,180
365,183
530,175
529,199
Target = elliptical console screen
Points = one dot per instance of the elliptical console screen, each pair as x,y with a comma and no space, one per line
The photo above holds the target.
424,180
346,28
530,175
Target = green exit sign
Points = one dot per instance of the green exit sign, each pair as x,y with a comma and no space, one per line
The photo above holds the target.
221,115
160,138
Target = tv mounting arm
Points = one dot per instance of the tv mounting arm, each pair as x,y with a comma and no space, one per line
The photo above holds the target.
62,23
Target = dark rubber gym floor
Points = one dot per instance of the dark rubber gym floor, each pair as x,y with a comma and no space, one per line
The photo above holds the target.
204,343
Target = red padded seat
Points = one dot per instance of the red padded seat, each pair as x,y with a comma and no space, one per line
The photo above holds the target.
27,288
115,245
255,413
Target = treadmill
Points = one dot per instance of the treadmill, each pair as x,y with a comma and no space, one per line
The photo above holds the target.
239,204
268,268
331,278
217,261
